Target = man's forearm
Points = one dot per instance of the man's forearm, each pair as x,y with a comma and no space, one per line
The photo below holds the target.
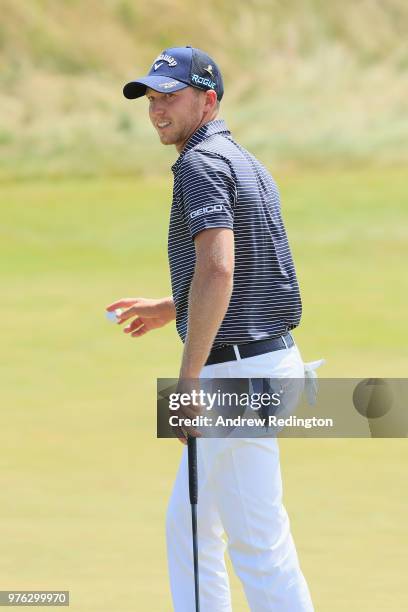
168,303
210,294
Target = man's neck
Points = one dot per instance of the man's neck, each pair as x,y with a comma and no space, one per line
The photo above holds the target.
200,125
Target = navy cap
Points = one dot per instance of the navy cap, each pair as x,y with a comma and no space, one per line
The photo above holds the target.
175,69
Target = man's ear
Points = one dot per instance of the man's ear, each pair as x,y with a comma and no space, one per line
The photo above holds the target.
211,98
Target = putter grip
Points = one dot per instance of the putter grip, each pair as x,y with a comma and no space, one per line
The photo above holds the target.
192,469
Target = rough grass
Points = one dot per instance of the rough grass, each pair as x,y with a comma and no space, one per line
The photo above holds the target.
307,82
85,482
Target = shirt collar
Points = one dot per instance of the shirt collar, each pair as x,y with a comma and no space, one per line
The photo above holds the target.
217,126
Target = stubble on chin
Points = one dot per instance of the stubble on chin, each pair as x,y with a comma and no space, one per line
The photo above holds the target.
169,139
165,139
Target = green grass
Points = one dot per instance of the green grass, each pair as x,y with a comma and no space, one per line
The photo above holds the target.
306,82
85,482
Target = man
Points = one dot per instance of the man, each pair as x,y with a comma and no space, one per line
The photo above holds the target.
235,299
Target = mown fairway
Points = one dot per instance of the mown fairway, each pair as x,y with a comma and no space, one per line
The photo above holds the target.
84,481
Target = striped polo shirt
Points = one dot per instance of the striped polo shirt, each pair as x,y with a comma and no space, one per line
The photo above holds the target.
218,183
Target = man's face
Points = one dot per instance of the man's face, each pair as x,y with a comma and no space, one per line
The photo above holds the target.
177,115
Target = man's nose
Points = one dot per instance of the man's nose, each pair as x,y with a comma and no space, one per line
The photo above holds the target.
157,107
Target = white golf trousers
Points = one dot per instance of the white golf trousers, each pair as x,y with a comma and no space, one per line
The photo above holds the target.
239,508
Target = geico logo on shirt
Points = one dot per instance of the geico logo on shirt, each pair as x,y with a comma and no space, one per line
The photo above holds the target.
205,210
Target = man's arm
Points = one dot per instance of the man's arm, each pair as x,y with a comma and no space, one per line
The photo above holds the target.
209,297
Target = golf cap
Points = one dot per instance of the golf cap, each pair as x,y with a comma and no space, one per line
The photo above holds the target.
175,69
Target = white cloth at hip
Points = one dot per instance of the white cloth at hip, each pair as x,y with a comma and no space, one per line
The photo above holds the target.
311,385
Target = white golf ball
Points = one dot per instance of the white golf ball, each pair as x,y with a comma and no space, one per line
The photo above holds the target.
114,315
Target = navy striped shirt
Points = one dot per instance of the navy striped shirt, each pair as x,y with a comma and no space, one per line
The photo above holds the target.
217,183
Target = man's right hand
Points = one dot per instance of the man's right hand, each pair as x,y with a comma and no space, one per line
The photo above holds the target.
144,314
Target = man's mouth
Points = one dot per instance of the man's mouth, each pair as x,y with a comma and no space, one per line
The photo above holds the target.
163,124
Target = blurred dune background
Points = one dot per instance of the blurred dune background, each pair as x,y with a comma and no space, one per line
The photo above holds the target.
319,92
307,81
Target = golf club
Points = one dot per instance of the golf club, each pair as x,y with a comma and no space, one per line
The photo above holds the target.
193,489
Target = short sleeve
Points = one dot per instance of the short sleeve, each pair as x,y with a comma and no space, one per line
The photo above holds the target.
208,191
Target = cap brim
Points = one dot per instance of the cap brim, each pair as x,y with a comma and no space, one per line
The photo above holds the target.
162,84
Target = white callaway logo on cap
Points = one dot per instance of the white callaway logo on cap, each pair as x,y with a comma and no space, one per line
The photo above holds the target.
163,57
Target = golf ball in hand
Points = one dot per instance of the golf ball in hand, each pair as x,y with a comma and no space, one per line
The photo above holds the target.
114,315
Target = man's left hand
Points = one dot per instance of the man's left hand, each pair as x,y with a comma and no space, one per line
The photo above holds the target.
189,408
